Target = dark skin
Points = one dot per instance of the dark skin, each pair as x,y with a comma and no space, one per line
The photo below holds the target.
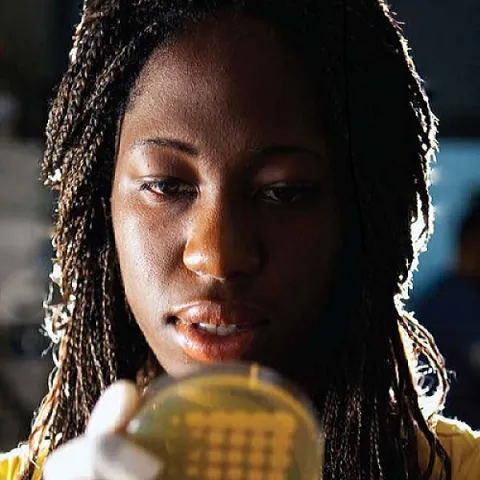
224,190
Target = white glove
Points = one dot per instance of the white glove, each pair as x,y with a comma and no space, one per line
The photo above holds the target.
103,453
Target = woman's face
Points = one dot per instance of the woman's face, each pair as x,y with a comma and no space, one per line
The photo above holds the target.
225,211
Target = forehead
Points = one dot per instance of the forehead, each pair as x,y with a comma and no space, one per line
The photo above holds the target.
232,62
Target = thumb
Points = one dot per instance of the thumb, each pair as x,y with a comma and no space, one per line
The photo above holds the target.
114,409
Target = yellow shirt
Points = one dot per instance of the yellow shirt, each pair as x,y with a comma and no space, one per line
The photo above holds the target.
11,464
461,443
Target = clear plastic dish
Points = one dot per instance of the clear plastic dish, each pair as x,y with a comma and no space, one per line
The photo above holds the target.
230,422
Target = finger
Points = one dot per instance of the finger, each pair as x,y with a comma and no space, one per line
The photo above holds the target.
108,457
113,411
73,461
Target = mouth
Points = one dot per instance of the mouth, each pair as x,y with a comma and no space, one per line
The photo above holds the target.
213,332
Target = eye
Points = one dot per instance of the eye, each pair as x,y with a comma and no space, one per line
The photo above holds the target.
289,194
169,187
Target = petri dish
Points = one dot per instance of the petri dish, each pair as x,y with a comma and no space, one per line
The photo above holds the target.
230,421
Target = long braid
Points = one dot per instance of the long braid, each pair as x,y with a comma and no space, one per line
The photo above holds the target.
419,336
371,409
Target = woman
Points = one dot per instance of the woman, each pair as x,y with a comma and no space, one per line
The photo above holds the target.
241,180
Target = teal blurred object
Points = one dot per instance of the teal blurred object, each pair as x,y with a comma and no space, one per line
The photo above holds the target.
457,176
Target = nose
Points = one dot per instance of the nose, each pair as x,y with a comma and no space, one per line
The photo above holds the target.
222,244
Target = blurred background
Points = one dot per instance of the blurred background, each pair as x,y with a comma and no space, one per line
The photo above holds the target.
35,37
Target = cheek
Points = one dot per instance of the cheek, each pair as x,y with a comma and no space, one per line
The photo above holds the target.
303,254
148,251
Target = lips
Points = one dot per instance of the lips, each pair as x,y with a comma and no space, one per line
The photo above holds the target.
213,332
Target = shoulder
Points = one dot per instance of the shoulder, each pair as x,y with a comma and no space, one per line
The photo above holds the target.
11,464
462,445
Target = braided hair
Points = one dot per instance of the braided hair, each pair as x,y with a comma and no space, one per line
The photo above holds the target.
379,119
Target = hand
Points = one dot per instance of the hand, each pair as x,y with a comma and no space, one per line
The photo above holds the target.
103,453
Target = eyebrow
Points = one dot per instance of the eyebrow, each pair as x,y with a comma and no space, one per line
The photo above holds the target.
189,149
167,143
284,150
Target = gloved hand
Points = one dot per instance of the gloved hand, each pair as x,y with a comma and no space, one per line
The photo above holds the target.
103,453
